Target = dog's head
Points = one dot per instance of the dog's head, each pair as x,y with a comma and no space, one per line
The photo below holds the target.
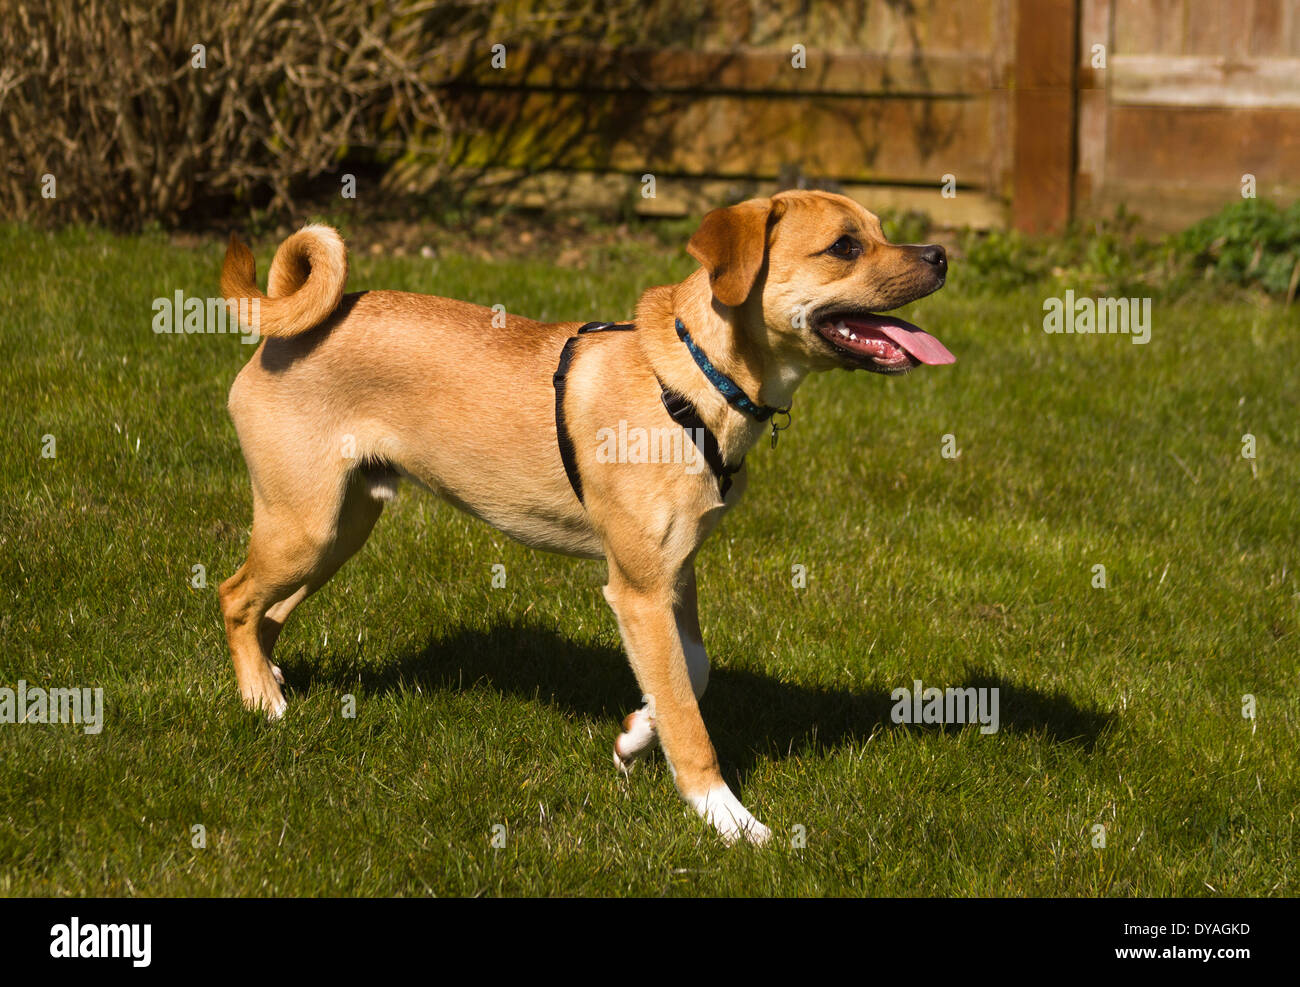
807,276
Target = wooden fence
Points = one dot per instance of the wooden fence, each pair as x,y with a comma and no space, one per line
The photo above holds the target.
1029,111
1195,95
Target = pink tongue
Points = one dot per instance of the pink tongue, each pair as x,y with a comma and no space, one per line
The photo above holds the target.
915,341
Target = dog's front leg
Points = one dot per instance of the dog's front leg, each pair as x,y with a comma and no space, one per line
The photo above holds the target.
639,735
650,625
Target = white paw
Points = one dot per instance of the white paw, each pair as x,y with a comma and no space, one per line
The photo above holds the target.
723,812
272,705
635,741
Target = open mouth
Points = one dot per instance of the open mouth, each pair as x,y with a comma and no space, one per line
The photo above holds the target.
882,342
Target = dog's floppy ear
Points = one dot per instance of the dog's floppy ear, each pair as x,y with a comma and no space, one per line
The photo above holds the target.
731,244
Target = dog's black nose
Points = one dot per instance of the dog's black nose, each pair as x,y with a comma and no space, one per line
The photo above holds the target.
936,255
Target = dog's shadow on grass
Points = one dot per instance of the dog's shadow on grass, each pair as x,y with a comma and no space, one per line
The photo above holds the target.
749,715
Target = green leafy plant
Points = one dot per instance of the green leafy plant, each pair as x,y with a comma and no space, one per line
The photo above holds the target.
1253,243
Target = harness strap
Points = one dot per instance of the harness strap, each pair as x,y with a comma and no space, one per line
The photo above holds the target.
685,415
678,406
560,379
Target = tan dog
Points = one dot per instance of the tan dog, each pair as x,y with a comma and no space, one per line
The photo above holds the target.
347,394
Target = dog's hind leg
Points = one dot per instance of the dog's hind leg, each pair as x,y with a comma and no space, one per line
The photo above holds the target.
362,505
639,733
294,550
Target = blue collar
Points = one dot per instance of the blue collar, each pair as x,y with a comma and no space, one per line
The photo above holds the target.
728,388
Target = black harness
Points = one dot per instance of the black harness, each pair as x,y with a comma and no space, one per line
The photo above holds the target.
685,415
560,379
678,406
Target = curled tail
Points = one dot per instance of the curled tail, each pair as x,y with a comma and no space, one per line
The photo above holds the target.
305,285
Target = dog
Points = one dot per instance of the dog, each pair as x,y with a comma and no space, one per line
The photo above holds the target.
510,420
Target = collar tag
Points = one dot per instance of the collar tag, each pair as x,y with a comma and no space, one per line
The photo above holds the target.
778,429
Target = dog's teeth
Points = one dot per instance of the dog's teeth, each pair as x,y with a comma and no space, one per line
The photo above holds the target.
853,336
844,332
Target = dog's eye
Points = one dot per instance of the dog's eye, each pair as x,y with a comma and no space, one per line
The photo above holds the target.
845,248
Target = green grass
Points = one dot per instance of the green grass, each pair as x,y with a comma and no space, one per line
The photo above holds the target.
477,707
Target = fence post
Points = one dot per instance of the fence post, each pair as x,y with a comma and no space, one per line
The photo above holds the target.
1045,114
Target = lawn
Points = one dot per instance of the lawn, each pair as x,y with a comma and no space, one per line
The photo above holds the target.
478,708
